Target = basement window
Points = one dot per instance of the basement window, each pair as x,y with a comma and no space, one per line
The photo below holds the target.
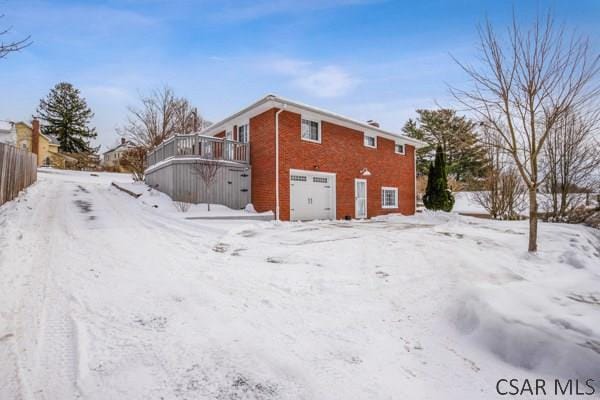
311,130
399,148
370,141
389,197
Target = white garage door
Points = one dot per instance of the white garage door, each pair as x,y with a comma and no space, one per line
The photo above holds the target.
312,195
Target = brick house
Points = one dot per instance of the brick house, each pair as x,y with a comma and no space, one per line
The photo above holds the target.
308,163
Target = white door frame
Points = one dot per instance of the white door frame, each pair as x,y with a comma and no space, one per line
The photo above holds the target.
356,180
333,193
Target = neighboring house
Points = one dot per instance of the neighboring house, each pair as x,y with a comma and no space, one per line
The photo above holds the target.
48,154
46,147
302,162
24,136
8,132
112,157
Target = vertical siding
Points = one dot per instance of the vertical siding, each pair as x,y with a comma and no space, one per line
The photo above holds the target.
18,169
181,181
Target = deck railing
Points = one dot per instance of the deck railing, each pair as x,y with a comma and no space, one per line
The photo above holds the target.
206,147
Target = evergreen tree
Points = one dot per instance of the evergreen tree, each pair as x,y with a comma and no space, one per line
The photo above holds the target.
465,156
67,116
423,155
437,195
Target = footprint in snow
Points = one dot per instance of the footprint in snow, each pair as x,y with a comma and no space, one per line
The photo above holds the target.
221,247
154,323
238,252
382,274
455,235
590,298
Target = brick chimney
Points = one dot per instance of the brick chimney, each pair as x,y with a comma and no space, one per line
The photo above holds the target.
35,135
373,123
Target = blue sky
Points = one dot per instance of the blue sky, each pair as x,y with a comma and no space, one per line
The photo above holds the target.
366,59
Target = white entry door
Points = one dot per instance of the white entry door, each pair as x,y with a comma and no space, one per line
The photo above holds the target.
360,197
312,195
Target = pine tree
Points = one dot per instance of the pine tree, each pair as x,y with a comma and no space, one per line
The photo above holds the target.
465,156
67,116
437,195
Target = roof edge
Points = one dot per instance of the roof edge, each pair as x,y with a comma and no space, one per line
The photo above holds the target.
273,97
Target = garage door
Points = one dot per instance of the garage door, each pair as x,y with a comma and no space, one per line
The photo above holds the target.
312,195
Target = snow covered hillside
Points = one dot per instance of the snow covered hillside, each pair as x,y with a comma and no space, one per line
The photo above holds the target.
103,297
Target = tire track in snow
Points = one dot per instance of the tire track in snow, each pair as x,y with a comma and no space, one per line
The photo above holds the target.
56,361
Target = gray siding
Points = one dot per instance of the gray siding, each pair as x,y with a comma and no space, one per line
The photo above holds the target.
179,179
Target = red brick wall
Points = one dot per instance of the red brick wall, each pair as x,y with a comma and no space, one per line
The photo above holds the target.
262,160
341,151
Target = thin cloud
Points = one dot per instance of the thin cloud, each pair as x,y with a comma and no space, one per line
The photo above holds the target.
317,81
329,81
249,10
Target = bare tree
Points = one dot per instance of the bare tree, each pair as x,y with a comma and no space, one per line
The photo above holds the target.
504,194
526,84
134,159
208,170
161,115
571,161
12,46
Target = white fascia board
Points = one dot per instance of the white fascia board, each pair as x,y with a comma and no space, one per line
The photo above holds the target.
273,101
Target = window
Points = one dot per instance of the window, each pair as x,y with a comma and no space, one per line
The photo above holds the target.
311,131
229,134
298,178
389,197
243,133
399,148
319,179
370,141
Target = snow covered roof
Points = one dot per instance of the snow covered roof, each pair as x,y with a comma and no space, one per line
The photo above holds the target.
51,138
126,144
277,101
6,126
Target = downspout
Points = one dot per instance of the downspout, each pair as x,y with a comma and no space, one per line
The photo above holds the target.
277,161
415,175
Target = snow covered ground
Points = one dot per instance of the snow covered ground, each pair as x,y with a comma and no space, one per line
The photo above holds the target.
102,297
465,203
153,198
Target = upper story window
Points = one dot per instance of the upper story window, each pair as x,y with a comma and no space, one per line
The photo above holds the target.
229,134
389,197
399,148
370,140
311,130
243,133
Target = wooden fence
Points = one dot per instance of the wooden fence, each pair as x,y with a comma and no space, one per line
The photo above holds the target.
18,169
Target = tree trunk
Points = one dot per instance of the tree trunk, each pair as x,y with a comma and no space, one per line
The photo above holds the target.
533,219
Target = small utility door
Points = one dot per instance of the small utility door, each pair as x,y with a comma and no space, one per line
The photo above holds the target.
312,195
360,198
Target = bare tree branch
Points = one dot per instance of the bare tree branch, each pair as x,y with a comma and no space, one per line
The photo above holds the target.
161,115
526,83
12,46
208,170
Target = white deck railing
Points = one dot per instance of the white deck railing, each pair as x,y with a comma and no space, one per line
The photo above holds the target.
207,147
